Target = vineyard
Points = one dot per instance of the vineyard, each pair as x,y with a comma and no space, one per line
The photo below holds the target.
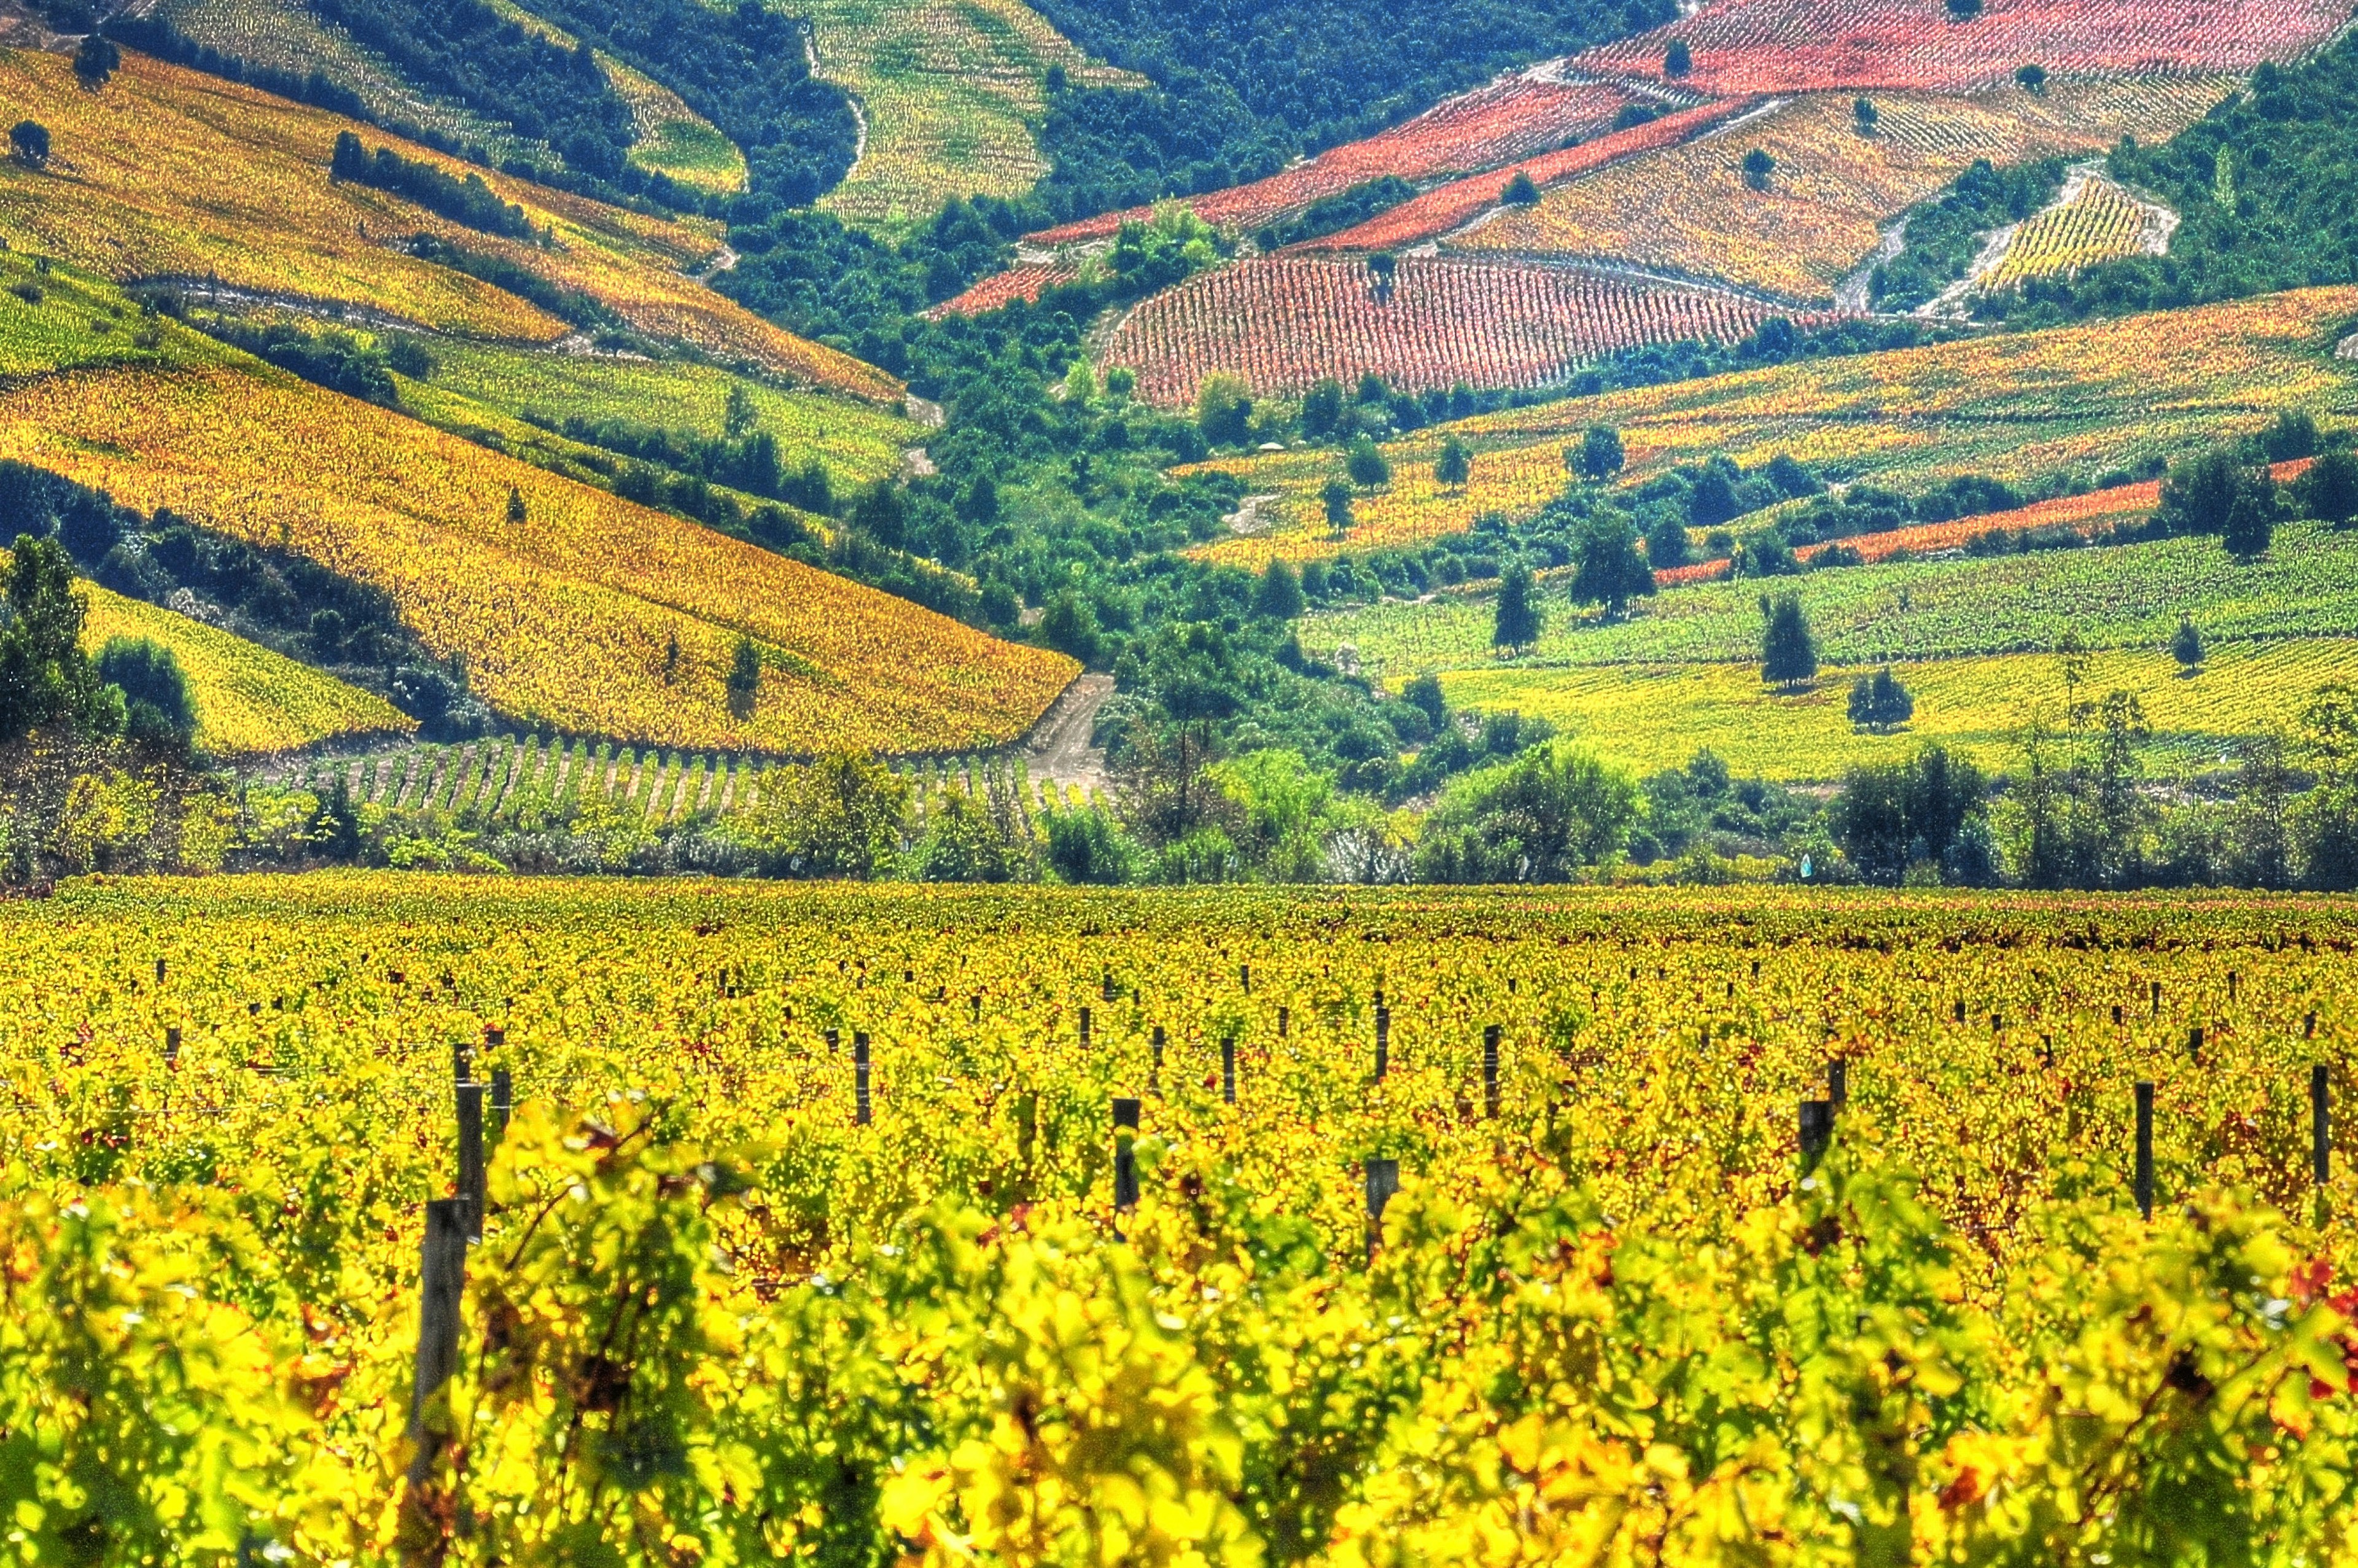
860,442
2093,220
591,615
501,780
1283,322
1649,717
1448,207
287,36
1025,281
1508,120
1803,46
2018,406
1690,208
1229,1227
2112,596
168,174
949,92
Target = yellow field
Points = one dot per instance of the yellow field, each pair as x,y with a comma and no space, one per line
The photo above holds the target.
568,620
2095,221
1653,717
2013,406
248,699
286,35
167,173
1687,208
949,91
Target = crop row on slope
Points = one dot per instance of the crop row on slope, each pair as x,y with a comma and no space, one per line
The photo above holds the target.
1025,281
1438,210
2110,595
287,36
1508,120
1803,46
1285,322
949,92
1650,717
2093,221
593,616
1689,209
858,441
166,173
2017,407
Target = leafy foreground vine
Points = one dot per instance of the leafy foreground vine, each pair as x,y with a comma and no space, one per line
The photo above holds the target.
715,1318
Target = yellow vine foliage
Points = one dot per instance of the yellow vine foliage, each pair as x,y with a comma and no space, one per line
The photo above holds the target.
167,174
1609,1318
593,615
1688,209
2016,406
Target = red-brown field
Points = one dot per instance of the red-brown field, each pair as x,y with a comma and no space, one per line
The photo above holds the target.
1284,322
1509,119
1790,46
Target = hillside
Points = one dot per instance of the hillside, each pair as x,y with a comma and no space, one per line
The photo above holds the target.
2081,400
1772,169
170,174
248,700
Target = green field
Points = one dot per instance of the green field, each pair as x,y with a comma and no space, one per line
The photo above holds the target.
1650,717
2119,596
488,385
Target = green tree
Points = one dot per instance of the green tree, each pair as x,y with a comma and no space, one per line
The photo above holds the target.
2329,489
1666,544
1519,190
1283,810
28,143
1891,817
1069,625
1278,595
2033,78
518,512
1517,624
1322,408
1607,568
2186,645
1455,464
738,418
1088,849
158,708
46,681
744,684
1599,455
96,60
1366,465
1878,702
966,842
1789,653
1678,59
2252,519
1758,167
1964,10
1337,498
1224,409
841,815
1546,817
1863,111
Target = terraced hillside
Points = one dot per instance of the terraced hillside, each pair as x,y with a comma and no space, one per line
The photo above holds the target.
565,604
2016,406
1755,146
168,174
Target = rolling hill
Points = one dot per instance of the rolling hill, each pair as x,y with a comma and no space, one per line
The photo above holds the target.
2014,406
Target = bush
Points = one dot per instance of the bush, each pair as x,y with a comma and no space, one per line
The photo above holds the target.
155,699
28,143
